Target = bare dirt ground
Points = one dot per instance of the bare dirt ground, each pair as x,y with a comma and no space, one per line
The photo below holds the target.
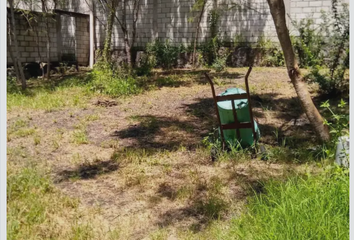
139,161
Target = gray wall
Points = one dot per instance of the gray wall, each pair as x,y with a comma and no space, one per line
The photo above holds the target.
32,48
165,19
168,19
68,35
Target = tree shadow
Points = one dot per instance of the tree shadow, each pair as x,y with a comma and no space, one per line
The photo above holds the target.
163,80
204,207
69,79
88,170
288,111
162,133
166,133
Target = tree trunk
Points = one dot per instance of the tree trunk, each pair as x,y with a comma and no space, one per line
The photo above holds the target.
135,19
17,62
126,34
109,30
277,10
197,33
127,49
123,24
48,50
9,47
46,16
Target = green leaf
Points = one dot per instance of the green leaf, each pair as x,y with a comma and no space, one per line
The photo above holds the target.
325,104
337,117
342,103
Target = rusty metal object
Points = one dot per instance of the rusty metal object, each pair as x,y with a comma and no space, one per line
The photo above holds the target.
235,125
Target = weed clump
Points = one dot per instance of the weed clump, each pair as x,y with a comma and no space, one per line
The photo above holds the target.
325,49
113,81
316,206
163,54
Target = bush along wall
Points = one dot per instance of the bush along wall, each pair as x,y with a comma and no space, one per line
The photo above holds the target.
213,53
324,49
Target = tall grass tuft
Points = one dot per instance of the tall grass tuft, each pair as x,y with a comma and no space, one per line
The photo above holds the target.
37,210
312,208
115,82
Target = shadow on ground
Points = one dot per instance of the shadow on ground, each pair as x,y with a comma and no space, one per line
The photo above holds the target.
204,206
88,170
163,133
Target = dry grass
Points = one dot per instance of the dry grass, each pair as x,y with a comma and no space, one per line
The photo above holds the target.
137,169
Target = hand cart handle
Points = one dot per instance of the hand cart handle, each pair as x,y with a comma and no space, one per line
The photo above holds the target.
249,105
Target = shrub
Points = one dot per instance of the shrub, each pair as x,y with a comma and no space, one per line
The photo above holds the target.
210,49
325,47
329,84
308,44
338,124
109,80
214,54
164,53
219,63
241,41
147,63
12,86
273,57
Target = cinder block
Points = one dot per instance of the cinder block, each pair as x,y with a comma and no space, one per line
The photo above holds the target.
166,20
309,10
29,38
302,4
315,3
317,15
32,44
296,10
29,49
22,59
326,9
35,54
167,10
301,15
326,3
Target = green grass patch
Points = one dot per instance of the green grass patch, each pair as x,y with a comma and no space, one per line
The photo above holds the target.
24,132
80,136
49,100
20,128
92,117
212,207
316,207
36,210
104,80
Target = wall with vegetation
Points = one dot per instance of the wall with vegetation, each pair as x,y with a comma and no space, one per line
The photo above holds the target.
69,38
171,19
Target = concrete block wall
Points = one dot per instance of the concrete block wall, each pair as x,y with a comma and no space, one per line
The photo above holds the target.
83,40
250,20
68,35
301,9
168,19
32,47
